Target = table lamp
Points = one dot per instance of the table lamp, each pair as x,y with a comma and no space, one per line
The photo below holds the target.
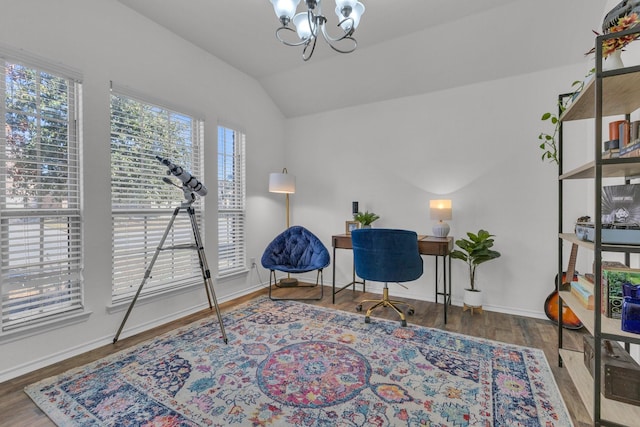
440,210
283,183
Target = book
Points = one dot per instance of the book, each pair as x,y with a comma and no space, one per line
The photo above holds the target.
632,146
611,293
611,153
582,294
624,133
586,282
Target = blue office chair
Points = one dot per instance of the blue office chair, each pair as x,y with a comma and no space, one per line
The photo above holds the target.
296,250
386,255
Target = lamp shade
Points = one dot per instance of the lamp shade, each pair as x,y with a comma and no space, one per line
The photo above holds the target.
304,28
282,183
440,210
345,3
285,8
356,13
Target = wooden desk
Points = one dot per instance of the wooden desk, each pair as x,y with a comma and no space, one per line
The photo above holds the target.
427,245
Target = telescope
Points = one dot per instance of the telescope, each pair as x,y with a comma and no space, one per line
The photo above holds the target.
189,181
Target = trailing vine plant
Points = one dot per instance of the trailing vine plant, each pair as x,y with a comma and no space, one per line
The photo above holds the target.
549,140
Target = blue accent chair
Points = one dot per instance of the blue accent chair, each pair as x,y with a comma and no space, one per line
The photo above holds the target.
386,255
296,250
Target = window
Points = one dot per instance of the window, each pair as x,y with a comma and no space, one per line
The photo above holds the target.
142,204
231,201
40,216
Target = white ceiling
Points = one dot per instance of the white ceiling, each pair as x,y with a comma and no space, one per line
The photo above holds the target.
405,47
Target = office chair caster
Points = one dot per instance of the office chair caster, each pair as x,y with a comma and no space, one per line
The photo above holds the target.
359,307
367,319
411,312
403,322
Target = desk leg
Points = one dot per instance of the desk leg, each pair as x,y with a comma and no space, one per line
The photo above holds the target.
333,282
446,284
353,283
447,295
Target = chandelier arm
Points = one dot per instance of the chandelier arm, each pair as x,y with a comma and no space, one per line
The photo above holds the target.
313,48
347,36
355,45
300,43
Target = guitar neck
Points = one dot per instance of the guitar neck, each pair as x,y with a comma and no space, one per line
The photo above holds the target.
571,268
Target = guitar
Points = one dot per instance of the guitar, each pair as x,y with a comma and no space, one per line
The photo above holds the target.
552,303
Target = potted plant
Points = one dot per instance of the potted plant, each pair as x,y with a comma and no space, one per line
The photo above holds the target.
548,140
365,219
474,251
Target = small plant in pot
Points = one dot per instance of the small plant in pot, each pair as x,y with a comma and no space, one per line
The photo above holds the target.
474,251
366,219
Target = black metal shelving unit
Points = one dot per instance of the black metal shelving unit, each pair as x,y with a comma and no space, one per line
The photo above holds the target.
609,93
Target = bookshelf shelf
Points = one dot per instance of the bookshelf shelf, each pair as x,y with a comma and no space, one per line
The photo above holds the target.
618,412
611,168
609,326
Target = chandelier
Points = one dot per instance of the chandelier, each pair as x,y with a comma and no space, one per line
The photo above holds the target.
310,24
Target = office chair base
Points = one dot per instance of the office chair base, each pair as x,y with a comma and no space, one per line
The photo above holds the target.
386,302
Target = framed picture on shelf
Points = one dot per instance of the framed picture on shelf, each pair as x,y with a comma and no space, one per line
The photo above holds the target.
351,225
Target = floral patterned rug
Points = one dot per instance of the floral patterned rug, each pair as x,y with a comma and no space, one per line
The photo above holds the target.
292,364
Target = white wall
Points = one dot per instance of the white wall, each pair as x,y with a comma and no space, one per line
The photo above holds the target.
106,41
476,145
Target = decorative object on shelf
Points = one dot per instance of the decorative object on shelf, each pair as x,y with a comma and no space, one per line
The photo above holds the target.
283,183
440,210
552,303
366,219
350,226
474,251
310,24
631,315
354,209
620,373
624,16
549,140
613,281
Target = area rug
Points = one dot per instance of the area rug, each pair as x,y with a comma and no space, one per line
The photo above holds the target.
293,364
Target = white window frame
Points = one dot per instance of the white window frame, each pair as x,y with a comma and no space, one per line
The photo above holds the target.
41,238
231,201
139,220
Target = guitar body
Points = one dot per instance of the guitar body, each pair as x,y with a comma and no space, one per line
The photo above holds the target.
552,309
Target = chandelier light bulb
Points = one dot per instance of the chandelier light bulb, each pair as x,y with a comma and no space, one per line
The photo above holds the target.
354,14
301,22
285,9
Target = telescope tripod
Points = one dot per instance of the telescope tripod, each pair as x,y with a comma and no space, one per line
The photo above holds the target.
206,274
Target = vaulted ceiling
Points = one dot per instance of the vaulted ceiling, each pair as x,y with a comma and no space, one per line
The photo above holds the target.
405,47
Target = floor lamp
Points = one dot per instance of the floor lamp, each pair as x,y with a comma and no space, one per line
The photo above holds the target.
285,184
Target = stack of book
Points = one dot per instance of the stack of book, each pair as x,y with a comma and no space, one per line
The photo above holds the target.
629,133
582,289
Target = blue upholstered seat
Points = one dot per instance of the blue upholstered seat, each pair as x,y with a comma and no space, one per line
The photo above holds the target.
386,255
295,250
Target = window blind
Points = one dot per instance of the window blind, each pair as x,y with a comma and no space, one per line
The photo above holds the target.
40,215
142,204
231,201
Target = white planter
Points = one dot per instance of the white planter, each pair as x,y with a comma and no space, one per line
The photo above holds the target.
473,298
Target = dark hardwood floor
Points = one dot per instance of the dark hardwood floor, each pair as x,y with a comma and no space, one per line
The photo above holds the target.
17,409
